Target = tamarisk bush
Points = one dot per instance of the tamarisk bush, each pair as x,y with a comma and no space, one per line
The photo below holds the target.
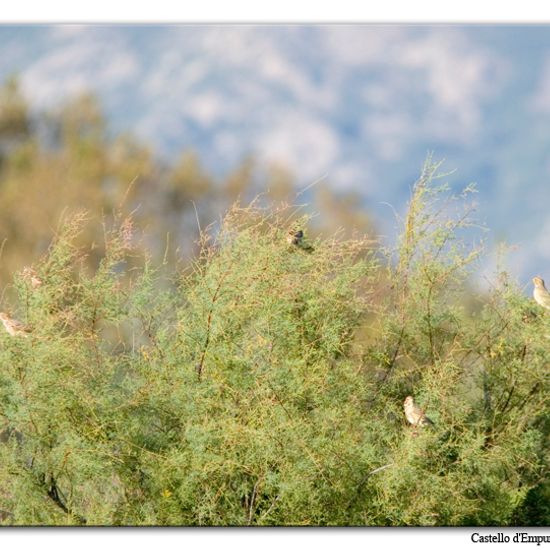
265,384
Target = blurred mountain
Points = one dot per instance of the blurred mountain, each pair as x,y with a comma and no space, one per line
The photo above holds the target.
358,104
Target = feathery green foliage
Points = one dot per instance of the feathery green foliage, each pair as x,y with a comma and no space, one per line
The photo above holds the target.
264,384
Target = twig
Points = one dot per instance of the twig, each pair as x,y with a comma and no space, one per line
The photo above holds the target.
376,470
363,482
252,501
318,180
197,216
56,496
393,359
266,513
200,365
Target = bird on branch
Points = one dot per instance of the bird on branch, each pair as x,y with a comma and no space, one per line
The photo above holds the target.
540,293
296,238
414,414
13,326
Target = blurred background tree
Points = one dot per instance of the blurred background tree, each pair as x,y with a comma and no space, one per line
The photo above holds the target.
68,160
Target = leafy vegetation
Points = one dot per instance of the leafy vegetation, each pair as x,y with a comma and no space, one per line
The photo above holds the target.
254,381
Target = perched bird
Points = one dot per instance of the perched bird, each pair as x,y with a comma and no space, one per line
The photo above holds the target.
296,238
541,295
14,327
414,414
30,275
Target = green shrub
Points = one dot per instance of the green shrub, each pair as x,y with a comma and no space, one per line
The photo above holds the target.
265,384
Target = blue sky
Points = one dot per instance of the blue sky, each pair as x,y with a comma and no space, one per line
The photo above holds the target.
360,103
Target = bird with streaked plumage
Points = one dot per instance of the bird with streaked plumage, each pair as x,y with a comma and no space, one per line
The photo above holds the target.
414,414
540,293
13,326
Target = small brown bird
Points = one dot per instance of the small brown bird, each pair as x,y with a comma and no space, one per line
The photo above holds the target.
414,414
13,327
296,238
30,275
540,293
